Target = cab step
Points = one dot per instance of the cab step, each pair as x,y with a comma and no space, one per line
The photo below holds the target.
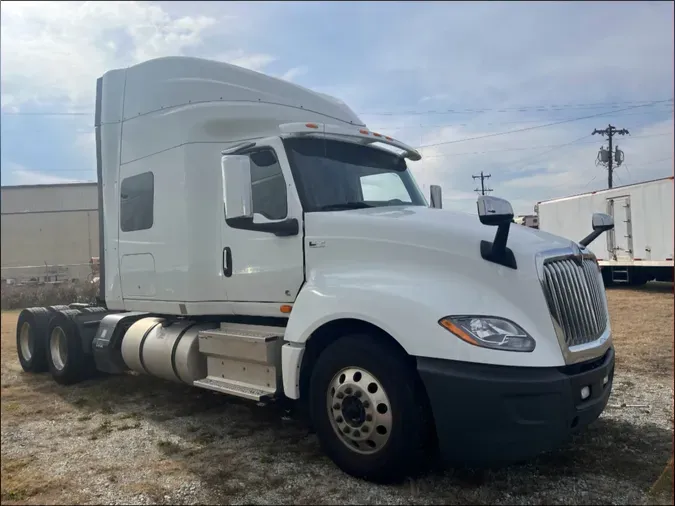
620,275
242,360
234,388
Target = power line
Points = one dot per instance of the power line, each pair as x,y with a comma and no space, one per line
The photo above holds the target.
526,129
19,113
648,162
542,146
531,108
579,186
553,146
536,108
386,128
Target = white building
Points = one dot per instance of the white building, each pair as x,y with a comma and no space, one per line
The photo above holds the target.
49,232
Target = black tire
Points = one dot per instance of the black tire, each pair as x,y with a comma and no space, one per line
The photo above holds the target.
402,454
94,309
31,349
54,309
73,365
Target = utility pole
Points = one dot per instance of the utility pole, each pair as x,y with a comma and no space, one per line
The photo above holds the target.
610,132
482,178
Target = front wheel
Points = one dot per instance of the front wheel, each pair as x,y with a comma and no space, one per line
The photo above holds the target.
367,408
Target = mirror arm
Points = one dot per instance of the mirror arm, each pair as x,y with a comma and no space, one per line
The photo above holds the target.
285,228
592,237
497,251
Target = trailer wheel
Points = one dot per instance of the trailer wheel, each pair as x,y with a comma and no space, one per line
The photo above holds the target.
367,409
31,331
66,359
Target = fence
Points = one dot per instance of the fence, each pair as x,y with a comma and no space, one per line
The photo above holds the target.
39,274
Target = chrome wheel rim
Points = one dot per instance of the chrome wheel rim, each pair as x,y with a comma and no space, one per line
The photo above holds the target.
25,341
359,410
58,346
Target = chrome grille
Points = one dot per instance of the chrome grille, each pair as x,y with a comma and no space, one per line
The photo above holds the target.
576,299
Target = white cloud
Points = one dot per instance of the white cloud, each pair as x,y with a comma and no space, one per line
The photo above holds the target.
20,175
434,98
294,73
255,61
54,51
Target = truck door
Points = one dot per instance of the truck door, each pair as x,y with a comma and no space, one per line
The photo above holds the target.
620,239
264,267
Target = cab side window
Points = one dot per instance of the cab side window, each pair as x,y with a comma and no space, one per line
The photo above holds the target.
137,200
268,185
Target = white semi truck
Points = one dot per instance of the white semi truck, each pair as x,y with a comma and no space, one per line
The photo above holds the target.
257,239
640,248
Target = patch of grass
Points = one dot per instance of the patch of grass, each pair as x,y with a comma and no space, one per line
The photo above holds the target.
168,447
134,425
80,402
102,430
664,485
11,407
642,329
11,465
205,437
20,482
13,495
151,490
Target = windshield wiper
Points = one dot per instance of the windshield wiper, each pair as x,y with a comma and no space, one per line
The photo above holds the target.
344,205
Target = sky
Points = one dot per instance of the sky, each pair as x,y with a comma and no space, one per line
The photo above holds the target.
512,89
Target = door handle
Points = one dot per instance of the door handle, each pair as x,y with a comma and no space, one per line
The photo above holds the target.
227,262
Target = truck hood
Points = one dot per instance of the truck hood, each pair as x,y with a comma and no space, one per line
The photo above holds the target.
423,227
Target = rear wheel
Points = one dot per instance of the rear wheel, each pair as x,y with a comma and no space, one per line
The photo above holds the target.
367,409
66,359
31,329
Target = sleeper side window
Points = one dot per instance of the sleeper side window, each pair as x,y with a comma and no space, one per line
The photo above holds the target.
137,199
268,185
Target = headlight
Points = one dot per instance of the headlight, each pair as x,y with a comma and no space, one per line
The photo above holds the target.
489,332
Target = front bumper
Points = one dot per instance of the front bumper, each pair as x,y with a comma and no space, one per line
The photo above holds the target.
487,415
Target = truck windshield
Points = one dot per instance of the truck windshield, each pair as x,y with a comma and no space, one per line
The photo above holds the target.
334,175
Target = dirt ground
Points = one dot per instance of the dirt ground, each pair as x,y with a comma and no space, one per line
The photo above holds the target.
137,440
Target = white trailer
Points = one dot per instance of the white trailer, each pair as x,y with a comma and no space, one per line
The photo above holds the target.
640,247
258,240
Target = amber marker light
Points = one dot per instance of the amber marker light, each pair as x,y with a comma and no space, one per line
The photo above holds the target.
457,331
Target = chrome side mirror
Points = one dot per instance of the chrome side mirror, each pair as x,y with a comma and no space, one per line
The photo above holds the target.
494,211
436,196
237,191
600,223
497,212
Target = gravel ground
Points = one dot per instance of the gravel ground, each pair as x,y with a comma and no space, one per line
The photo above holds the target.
137,440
